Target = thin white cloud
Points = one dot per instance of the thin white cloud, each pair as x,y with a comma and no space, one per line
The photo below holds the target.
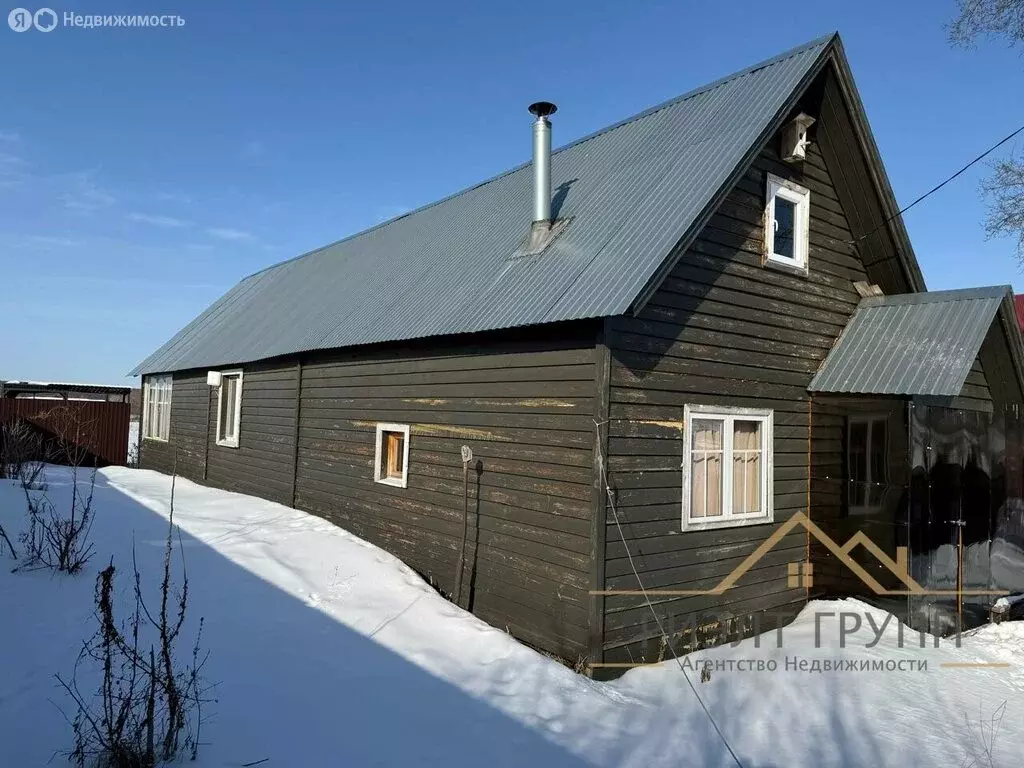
136,281
10,136
51,240
231,235
173,197
157,220
82,193
13,171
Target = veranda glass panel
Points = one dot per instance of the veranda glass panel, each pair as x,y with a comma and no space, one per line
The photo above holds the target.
858,463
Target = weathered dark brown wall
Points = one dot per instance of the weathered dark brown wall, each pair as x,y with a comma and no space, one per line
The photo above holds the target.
262,463
1003,388
523,402
185,449
725,330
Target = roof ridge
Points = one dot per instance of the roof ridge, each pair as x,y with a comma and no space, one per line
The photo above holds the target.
819,41
935,297
825,39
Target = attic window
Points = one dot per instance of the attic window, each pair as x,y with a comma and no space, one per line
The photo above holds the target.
787,223
391,460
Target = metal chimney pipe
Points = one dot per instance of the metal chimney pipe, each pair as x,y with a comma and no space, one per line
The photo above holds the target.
542,160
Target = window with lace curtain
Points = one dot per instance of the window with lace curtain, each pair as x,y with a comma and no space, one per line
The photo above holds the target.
727,467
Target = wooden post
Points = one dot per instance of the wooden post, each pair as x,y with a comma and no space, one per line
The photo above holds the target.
598,522
295,433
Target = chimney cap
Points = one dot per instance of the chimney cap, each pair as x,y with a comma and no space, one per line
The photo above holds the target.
543,108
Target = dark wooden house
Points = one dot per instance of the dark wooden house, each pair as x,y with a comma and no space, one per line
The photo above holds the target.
630,369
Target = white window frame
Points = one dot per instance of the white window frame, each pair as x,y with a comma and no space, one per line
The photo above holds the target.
378,477
801,199
230,442
868,419
157,386
728,415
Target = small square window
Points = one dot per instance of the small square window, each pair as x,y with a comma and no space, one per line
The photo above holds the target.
391,456
787,222
229,408
727,467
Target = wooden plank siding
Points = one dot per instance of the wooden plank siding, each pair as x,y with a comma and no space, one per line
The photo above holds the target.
527,414
186,447
523,402
856,190
722,330
262,464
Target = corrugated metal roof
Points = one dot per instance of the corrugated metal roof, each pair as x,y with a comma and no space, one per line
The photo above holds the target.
911,344
631,191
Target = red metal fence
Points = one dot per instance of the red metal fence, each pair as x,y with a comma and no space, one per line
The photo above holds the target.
97,428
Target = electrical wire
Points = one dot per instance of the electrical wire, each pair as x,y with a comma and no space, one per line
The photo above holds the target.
937,187
650,605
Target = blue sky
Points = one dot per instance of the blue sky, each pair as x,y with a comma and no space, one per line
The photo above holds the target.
144,171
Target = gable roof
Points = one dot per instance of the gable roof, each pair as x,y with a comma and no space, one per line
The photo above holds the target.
911,344
632,192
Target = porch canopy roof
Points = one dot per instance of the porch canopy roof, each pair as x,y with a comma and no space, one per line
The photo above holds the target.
911,344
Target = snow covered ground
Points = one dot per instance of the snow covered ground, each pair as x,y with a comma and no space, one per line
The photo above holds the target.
327,651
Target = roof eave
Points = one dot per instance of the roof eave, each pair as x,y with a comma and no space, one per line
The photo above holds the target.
677,252
833,53
1015,339
905,251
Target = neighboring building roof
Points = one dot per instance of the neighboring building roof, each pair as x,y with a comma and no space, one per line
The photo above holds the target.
911,344
632,192
57,386
1018,306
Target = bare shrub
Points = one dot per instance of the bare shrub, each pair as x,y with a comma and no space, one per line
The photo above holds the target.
148,708
21,453
57,540
7,541
983,738
73,435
